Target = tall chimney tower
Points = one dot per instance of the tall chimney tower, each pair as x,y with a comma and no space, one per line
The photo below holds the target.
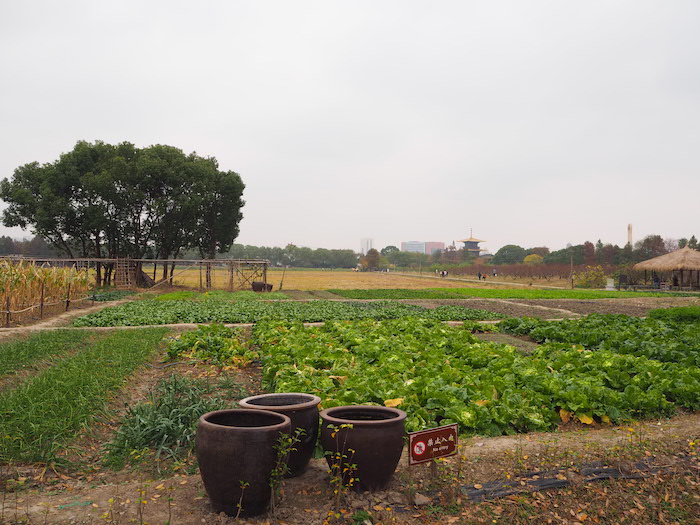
629,234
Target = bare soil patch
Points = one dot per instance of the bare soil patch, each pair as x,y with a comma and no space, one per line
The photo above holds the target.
509,308
60,319
638,307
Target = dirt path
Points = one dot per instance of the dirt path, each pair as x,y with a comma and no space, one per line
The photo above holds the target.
107,498
59,321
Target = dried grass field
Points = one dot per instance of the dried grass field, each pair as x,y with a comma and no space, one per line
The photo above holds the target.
312,279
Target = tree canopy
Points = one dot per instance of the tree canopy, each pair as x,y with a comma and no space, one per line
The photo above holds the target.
509,254
103,200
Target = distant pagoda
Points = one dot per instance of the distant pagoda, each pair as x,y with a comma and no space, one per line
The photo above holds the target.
471,245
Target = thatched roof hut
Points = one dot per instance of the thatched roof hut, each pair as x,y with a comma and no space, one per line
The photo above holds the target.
684,260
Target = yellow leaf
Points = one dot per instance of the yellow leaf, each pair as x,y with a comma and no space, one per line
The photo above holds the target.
605,419
393,402
339,378
478,486
481,402
565,415
586,419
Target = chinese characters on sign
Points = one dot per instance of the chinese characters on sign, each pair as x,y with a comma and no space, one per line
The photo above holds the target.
432,444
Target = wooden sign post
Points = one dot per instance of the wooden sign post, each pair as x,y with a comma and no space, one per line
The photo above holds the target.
427,445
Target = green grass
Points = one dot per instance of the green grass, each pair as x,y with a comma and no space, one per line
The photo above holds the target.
41,417
681,314
17,355
515,293
245,295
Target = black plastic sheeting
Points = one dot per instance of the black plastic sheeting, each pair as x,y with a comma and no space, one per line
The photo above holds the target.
554,479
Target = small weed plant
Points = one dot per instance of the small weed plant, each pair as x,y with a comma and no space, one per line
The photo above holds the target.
165,423
286,444
341,468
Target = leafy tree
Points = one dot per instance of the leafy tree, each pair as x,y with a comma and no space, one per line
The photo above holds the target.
539,250
371,259
389,249
588,253
7,246
509,254
121,201
533,258
566,255
649,247
693,243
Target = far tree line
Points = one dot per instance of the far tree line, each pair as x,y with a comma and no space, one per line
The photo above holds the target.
586,254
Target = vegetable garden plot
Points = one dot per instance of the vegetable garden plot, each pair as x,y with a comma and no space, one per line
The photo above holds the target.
244,295
440,374
41,416
21,354
152,312
659,337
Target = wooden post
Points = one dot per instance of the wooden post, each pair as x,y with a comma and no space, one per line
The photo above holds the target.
265,273
7,311
68,298
41,301
208,276
200,277
230,277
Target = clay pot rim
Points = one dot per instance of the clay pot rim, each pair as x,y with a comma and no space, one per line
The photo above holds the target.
286,422
312,402
399,415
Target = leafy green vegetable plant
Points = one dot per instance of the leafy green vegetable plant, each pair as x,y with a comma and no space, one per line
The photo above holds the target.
153,312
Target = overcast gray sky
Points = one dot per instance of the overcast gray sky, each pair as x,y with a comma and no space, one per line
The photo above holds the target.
530,122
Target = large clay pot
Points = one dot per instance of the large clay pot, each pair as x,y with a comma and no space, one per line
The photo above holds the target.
302,409
373,442
238,446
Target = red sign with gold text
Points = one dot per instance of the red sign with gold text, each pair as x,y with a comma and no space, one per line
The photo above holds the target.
432,444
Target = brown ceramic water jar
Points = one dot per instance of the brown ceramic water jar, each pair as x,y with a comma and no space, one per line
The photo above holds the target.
302,409
373,443
236,447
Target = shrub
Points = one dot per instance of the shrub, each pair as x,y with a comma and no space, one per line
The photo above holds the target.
590,277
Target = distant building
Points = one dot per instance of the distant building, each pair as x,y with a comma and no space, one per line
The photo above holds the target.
432,246
422,247
366,245
471,245
413,246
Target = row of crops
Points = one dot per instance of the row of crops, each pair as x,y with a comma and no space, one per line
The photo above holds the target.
441,374
157,312
669,335
54,383
24,284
